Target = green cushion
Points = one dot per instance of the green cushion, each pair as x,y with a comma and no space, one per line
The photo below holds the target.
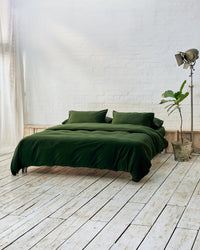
65,121
87,116
157,123
145,119
107,120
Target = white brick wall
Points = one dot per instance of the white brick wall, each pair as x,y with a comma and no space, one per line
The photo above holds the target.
115,54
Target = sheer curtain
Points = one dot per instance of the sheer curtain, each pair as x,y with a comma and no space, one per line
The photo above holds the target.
11,80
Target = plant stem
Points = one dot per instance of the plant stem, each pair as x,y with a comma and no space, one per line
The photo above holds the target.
181,127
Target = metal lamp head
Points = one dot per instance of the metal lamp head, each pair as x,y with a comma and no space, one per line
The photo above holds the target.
191,55
188,57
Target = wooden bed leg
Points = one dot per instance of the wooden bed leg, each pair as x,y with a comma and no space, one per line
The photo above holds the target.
24,170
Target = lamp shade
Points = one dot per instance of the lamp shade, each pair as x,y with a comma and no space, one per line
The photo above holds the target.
187,57
191,55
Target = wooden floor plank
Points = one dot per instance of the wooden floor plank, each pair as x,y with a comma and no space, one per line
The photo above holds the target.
33,236
29,222
83,198
78,214
4,157
191,216
83,236
129,191
163,228
182,239
61,233
159,200
5,168
131,238
8,221
154,183
101,209
40,200
109,210
28,180
18,202
108,236
183,193
196,245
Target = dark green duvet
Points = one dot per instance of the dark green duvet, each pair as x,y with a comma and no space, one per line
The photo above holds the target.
120,147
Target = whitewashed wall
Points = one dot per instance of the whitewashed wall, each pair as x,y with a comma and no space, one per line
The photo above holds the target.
115,54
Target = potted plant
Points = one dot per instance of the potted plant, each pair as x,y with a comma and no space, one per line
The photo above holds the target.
182,149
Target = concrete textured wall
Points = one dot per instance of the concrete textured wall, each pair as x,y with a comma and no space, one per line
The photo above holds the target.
115,54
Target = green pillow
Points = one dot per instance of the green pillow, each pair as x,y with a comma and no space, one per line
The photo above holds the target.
145,119
157,123
87,116
65,121
107,120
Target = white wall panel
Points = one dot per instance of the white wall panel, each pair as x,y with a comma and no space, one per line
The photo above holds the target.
115,54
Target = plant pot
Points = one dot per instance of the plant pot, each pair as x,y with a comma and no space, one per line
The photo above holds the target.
182,151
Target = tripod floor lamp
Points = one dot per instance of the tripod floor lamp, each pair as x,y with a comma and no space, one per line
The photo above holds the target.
188,59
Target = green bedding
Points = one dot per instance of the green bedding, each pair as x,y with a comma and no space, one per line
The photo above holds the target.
120,147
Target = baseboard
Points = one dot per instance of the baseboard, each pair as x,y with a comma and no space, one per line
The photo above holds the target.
30,129
174,135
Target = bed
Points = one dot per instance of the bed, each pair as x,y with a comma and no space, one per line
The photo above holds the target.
104,145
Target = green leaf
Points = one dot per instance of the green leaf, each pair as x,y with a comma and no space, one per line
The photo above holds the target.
168,106
177,95
182,97
168,93
164,101
173,110
172,105
175,100
182,86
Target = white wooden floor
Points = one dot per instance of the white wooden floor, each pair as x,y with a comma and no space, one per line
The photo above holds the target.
80,208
